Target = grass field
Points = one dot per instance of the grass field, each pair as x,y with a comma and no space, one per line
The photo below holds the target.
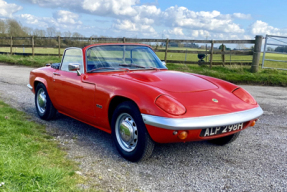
180,56
36,61
237,74
30,159
29,50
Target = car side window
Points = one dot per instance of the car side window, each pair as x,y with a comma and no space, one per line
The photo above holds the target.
74,56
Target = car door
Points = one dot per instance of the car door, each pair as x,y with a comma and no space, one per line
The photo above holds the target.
73,97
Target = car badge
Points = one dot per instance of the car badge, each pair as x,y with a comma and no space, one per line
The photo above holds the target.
215,100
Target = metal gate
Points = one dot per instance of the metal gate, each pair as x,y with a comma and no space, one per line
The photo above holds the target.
281,43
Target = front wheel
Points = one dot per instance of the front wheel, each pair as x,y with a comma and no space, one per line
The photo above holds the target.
225,140
129,133
44,106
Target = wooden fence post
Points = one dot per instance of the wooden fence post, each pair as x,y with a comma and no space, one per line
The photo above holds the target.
230,57
223,54
91,39
185,56
32,42
256,53
11,45
166,46
211,53
59,48
124,40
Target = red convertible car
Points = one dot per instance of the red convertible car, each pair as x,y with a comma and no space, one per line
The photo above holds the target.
125,90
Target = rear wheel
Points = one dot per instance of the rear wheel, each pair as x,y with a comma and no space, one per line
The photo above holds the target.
129,133
225,140
44,106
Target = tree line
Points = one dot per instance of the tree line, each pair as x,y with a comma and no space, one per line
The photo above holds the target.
281,49
13,28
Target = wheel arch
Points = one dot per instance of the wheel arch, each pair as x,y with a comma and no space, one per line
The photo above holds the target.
115,101
40,80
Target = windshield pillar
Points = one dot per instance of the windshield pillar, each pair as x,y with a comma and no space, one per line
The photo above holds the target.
124,54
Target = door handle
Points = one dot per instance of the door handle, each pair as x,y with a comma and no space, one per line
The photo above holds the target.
58,74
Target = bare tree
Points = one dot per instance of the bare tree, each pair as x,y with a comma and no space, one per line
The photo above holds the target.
2,28
51,32
67,34
76,34
39,33
58,33
28,30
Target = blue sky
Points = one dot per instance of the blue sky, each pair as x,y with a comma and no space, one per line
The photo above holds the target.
225,19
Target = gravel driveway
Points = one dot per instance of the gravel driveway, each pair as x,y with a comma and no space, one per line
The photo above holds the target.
256,161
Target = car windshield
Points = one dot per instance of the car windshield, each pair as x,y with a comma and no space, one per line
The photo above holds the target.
117,57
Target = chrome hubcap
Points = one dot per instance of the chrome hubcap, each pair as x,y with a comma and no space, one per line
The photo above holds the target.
41,100
126,132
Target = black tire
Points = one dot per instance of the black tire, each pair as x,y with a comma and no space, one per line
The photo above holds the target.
141,145
225,140
48,111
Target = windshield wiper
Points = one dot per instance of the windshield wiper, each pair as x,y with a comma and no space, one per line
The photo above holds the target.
139,66
131,65
152,68
100,69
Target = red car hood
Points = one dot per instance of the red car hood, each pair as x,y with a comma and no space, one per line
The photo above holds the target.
171,81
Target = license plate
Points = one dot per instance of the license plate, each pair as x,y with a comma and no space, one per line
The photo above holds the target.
220,130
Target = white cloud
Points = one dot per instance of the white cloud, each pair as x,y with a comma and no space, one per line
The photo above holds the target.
211,21
34,21
151,15
176,31
146,14
55,3
247,37
242,16
112,7
62,20
133,18
7,10
30,19
67,17
126,25
200,33
262,28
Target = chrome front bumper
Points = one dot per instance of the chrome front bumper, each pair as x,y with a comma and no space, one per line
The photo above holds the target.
202,122
30,87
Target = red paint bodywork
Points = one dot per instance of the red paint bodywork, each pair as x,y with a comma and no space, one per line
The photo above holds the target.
77,96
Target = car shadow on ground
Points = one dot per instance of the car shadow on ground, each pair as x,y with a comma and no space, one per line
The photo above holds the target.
99,143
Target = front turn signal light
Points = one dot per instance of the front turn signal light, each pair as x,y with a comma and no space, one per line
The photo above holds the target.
252,124
170,105
244,96
182,135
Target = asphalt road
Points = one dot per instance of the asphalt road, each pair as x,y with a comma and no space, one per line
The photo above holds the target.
256,161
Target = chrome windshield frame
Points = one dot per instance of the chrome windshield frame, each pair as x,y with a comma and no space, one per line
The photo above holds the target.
146,46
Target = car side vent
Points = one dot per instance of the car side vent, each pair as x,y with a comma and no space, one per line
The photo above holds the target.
55,65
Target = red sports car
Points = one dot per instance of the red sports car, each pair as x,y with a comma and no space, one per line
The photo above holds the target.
125,90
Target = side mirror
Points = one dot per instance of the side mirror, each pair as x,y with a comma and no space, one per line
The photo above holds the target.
74,67
164,63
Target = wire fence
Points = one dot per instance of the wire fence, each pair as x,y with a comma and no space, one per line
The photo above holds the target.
275,52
